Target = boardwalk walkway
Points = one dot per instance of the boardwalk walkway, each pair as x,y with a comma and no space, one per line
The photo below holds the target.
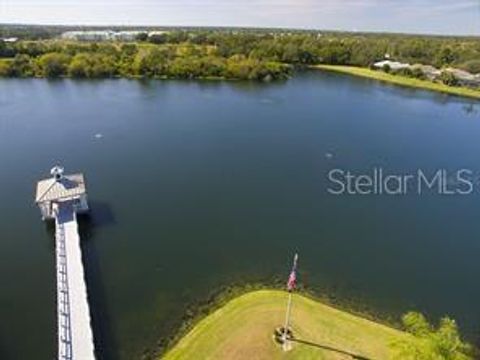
75,337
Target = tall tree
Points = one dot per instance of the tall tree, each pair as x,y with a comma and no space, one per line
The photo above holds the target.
430,343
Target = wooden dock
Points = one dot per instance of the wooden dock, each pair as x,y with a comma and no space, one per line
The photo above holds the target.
75,336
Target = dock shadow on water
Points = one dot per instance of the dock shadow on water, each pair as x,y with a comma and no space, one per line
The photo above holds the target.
100,215
103,330
331,348
3,350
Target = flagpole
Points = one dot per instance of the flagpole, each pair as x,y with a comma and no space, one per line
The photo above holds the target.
290,286
285,342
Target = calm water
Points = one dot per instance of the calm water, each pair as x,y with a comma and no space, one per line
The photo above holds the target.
196,185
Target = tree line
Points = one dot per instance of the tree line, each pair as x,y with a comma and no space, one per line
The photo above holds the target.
256,55
105,60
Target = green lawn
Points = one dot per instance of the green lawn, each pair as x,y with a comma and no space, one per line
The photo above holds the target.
243,329
401,80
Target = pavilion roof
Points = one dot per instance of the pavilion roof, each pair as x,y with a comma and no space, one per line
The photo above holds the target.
67,187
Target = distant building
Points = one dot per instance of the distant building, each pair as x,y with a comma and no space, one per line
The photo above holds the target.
156,33
10,39
464,77
429,71
127,35
102,35
394,65
88,35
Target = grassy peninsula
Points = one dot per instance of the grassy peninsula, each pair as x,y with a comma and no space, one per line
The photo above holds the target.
243,329
401,80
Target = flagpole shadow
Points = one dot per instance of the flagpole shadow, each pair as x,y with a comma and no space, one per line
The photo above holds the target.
330,348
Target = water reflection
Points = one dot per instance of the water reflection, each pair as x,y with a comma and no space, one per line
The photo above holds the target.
3,350
470,109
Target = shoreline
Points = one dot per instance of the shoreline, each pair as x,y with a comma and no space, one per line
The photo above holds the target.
400,80
147,78
366,73
251,317
217,300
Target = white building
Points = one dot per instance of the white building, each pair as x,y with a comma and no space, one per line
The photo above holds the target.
464,77
394,65
127,35
88,35
103,35
156,33
61,188
10,39
430,72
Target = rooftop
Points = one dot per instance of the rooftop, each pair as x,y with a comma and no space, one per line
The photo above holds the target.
395,65
67,187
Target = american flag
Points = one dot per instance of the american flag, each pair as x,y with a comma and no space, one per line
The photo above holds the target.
292,279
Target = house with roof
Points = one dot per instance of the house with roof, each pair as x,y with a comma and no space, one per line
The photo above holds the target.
464,77
394,65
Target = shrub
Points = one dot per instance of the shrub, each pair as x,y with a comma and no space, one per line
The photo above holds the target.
428,342
79,67
5,68
405,72
53,64
448,78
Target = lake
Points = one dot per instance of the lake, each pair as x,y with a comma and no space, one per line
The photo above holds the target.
197,185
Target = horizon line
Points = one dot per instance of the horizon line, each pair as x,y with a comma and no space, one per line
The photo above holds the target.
250,27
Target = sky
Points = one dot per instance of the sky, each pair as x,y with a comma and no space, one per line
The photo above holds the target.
446,17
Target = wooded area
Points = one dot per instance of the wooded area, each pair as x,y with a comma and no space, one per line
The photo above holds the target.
222,53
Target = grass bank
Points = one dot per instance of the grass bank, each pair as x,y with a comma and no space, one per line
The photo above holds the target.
401,80
243,329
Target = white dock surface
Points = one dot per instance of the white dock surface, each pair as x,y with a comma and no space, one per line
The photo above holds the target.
75,336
